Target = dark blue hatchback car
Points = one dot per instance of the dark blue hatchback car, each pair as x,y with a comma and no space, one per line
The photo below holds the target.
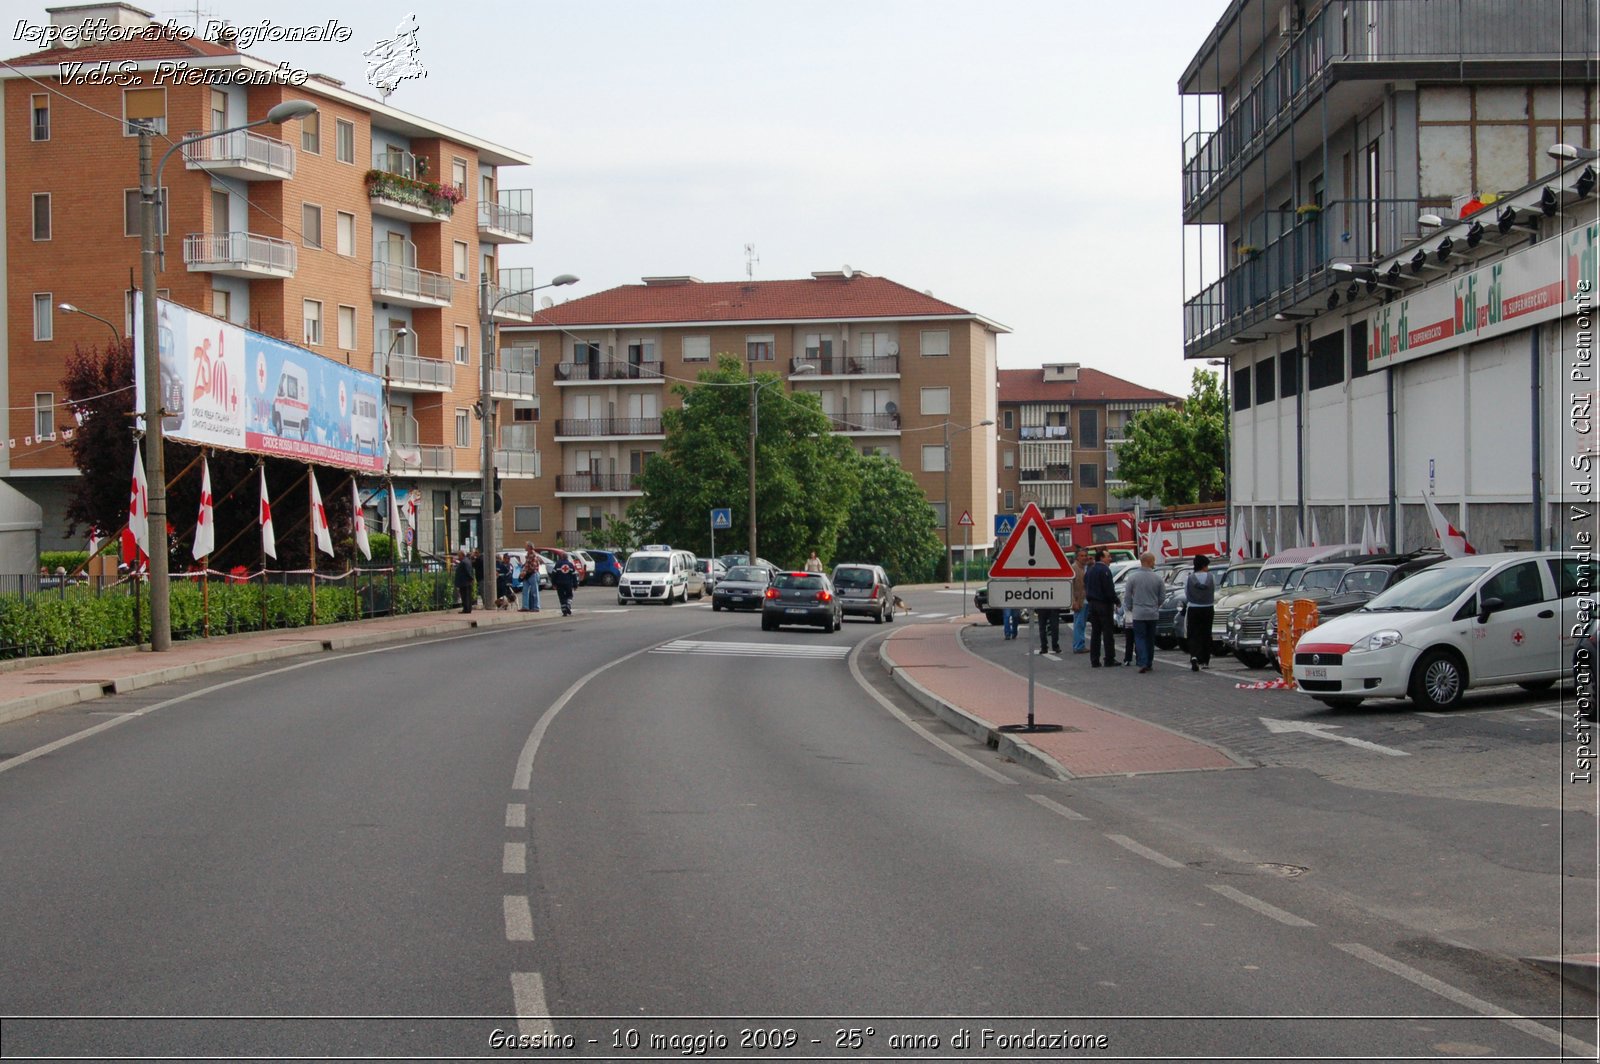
607,568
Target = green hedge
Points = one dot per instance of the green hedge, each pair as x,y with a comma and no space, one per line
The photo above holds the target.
70,560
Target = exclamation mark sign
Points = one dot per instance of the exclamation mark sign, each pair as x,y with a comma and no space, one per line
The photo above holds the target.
1033,543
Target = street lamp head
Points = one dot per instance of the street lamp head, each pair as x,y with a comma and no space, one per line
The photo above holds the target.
563,278
291,109
66,308
804,367
986,421
1570,152
402,331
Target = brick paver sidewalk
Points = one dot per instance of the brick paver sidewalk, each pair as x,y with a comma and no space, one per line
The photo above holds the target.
930,661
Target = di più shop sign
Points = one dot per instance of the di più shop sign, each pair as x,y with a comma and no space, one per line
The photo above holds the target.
1030,571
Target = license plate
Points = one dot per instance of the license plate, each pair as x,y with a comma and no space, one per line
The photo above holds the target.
738,598
795,609
1315,672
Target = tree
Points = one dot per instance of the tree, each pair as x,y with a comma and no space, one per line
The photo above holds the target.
1178,455
891,523
806,479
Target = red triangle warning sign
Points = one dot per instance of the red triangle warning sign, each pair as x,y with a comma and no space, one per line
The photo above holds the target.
1032,551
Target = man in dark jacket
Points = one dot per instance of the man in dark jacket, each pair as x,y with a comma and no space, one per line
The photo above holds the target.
463,578
564,578
1100,596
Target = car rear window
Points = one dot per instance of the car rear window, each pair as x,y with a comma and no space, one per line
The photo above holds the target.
800,582
854,578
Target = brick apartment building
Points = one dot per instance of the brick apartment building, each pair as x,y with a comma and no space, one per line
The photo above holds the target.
333,232
893,368
1059,426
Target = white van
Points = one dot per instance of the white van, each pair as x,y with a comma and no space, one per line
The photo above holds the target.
658,573
291,407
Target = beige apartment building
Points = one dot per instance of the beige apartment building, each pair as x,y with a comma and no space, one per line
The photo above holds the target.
335,232
895,369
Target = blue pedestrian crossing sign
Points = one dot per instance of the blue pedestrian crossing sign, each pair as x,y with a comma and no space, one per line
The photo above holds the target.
721,517
1004,525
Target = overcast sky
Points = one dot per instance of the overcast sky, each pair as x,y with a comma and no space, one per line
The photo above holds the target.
1019,158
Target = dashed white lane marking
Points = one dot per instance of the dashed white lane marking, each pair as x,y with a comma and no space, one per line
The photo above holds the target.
1556,713
898,714
516,815
1466,1000
933,616
752,650
1144,851
519,918
1272,911
514,862
527,993
1057,807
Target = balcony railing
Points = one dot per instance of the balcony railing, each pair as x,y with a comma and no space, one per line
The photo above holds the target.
408,371
422,458
399,178
246,254
520,437
848,422
407,283
844,366
1051,472
1047,433
517,463
593,483
570,372
508,219
609,426
574,537
241,152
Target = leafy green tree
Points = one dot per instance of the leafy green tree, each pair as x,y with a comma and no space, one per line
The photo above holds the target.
806,478
1178,455
891,523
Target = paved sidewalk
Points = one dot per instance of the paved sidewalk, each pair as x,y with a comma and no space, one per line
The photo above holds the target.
35,685
977,696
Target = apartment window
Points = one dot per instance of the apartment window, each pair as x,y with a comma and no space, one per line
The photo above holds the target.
1010,460
144,108
938,509
311,134
872,344
1358,350
697,348
131,206
345,224
522,413
221,303
819,345
44,320
347,328
44,414
312,317
458,173
311,225
1327,361
41,216
935,342
460,262
463,429
1241,388
41,117
1288,374
936,401
1266,380
1011,502
933,458
344,140
759,348
1008,419
1088,475
1089,429
463,340
1374,176
527,518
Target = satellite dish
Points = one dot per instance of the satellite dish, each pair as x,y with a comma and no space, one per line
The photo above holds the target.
848,272
890,408
546,302
893,348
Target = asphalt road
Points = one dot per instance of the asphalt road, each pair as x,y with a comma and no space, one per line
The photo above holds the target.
599,825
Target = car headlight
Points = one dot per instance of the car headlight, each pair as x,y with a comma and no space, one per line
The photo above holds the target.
1376,641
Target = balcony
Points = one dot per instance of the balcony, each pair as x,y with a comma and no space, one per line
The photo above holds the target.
867,366
404,371
411,287
515,376
596,484
517,453
1053,473
509,220
591,371
1046,433
247,255
865,424
599,427
574,538
398,187
242,155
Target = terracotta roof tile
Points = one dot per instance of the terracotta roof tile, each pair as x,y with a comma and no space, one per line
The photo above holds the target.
1029,386
828,298
166,45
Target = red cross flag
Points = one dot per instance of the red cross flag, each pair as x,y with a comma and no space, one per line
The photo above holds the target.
269,540
411,510
136,537
319,520
205,528
1454,543
394,515
358,519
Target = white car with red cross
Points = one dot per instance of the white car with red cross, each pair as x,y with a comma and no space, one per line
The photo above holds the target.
1468,622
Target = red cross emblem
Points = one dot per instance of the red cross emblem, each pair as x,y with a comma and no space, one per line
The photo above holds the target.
1517,637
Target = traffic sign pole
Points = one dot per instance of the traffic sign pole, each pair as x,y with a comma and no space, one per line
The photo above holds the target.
1031,568
966,558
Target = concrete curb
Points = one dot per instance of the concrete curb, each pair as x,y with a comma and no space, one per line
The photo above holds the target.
1018,750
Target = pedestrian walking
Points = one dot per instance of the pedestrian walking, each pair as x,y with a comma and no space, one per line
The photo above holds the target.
564,577
1080,616
813,563
530,580
1049,622
1200,592
463,579
1144,591
1100,598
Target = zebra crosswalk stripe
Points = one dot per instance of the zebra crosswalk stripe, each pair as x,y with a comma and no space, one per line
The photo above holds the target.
752,650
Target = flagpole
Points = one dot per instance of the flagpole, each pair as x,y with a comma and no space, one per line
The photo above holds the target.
261,474
311,542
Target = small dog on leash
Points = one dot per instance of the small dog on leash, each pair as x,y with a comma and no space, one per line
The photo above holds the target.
900,604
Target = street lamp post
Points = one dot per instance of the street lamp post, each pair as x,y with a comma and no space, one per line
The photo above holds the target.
1227,445
949,549
486,406
68,308
155,464
755,422
388,373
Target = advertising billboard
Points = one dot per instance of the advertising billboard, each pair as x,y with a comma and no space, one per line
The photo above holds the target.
226,386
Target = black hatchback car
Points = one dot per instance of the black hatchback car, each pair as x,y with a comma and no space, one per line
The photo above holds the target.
801,598
743,588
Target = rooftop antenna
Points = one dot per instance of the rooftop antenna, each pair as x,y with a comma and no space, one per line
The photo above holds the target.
750,260
200,15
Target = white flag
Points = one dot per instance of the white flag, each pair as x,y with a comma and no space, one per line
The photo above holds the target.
1368,546
1380,534
358,520
205,528
394,520
269,539
1240,546
1316,537
1454,542
1277,534
411,510
136,537
1299,533
319,519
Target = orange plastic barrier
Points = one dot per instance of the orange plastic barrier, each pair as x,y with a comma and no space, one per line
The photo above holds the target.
1295,619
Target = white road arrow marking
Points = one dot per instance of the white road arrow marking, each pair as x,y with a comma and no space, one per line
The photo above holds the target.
1278,727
